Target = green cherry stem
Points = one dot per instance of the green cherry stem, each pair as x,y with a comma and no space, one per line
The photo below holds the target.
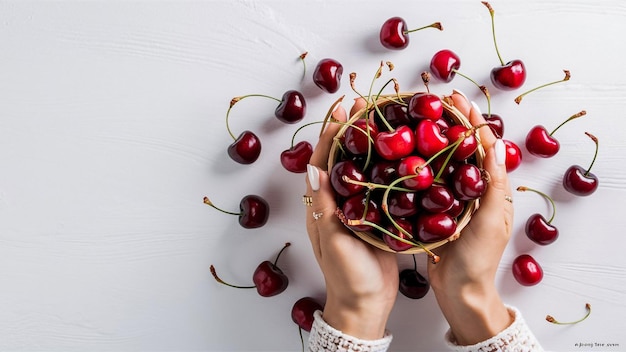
595,155
436,25
301,58
524,189
281,252
575,116
493,29
372,185
208,202
551,319
519,98
218,279
235,100
482,88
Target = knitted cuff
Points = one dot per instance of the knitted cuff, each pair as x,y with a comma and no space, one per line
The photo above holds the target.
324,337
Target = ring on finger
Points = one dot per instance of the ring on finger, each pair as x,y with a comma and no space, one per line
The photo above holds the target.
317,215
307,200
508,198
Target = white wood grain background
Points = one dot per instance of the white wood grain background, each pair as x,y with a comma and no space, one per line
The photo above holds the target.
112,130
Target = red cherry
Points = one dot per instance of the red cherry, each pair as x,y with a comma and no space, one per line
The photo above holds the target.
327,75
428,138
297,157
354,209
537,228
396,115
394,34
246,148
579,181
403,204
351,170
513,155
444,65
510,76
424,105
412,284
526,270
269,280
395,244
383,172
396,144
437,199
495,123
302,312
468,145
292,107
541,143
253,211
434,227
415,166
457,208
356,139
468,182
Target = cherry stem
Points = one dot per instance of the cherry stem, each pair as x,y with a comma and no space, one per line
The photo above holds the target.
524,189
281,252
595,155
218,279
482,88
235,100
436,25
575,116
551,319
208,202
518,99
372,185
302,57
301,337
414,263
493,29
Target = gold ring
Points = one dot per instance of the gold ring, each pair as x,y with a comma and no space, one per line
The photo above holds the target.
508,199
316,216
307,200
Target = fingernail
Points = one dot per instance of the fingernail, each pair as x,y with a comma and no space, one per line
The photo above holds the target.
475,106
460,93
313,174
500,150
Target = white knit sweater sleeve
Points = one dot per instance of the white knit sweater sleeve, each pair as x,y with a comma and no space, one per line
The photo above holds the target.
324,337
517,337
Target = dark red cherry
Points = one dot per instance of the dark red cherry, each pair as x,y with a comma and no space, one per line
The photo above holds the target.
424,105
350,169
395,244
513,155
526,270
540,231
412,284
428,138
302,312
383,172
579,181
438,198
253,211
510,76
495,123
269,279
245,149
396,144
468,182
356,138
297,157
540,143
292,107
354,209
396,115
444,65
468,145
327,75
393,34
434,227
422,173
403,204
457,208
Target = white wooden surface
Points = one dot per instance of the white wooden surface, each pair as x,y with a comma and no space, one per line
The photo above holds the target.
112,130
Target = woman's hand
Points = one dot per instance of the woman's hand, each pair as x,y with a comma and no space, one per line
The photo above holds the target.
463,280
361,280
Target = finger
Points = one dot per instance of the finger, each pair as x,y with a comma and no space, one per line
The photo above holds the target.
359,104
493,202
474,115
322,149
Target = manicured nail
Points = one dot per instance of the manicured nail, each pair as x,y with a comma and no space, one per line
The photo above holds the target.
500,150
313,174
460,93
475,106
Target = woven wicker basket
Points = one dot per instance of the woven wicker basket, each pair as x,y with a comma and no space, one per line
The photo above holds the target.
456,117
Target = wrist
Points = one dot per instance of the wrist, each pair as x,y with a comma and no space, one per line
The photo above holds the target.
480,304
362,320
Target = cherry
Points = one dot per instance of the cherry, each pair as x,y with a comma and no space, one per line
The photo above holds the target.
350,169
434,227
437,199
302,312
412,284
383,172
526,270
357,137
253,211
354,208
292,107
428,138
537,228
467,147
423,105
403,204
541,143
513,155
327,75
246,148
395,244
269,280
495,123
579,181
396,144
444,65
468,182
396,114
508,76
394,34
297,157
420,174
457,208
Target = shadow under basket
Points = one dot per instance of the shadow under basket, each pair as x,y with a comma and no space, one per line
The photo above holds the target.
454,116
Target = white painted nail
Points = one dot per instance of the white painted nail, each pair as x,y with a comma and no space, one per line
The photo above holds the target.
460,93
313,174
500,150
475,106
